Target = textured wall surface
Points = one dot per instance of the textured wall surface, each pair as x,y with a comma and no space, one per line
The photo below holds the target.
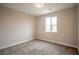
15,27
67,27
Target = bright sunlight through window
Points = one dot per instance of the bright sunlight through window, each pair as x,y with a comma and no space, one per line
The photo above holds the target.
51,24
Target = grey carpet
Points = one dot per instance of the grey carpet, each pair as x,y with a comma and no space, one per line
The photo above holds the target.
38,47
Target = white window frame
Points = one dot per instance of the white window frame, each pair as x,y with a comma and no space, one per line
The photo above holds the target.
51,30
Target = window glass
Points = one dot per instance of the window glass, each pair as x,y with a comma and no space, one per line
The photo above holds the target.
51,24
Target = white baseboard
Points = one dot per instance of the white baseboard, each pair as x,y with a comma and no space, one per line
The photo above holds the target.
6,46
58,43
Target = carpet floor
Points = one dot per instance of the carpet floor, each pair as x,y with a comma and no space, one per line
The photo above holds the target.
39,47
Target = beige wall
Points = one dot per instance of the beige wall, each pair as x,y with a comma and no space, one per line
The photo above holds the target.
67,28
15,27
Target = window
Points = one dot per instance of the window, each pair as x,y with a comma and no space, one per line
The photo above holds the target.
51,24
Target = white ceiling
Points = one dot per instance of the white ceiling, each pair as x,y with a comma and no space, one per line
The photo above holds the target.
30,9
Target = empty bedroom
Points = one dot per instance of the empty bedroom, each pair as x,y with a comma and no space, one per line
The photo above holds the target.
39,29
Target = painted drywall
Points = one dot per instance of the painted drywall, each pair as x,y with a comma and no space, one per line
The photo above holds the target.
67,27
15,27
